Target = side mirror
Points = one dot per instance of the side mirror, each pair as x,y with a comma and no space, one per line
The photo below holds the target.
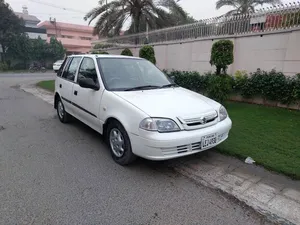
88,83
173,78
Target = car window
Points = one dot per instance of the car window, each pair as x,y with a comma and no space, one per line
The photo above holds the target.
124,73
64,64
70,71
88,70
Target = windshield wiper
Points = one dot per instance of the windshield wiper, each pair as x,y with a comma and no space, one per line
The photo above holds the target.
144,87
169,85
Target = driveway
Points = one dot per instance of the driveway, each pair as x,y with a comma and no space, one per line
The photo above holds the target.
51,173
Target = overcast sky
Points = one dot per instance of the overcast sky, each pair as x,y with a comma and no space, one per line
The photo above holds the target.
76,9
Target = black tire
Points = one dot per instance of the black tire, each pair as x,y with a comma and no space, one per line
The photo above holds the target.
127,157
31,70
64,117
43,69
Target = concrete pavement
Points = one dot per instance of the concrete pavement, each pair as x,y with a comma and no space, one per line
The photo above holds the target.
53,173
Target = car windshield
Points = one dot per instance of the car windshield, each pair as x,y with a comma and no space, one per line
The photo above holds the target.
126,74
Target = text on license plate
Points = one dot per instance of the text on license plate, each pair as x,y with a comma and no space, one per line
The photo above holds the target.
208,140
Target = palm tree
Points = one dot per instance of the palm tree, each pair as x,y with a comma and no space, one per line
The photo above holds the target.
113,15
243,6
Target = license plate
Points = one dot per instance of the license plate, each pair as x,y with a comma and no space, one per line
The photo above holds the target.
208,140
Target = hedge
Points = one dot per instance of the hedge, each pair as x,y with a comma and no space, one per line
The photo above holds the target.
273,86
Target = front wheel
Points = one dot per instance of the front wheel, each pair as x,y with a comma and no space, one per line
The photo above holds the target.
63,116
119,144
43,69
31,70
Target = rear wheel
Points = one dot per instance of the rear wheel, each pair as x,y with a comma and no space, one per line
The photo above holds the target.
43,69
119,144
63,116
31,70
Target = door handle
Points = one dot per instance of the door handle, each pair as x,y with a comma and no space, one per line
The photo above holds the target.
60,86
75,92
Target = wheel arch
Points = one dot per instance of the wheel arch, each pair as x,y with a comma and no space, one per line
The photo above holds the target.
56,98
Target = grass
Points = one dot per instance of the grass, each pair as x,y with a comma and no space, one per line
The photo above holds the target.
47,84
271,136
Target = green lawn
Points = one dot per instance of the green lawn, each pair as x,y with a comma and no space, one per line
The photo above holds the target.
271,136
47,84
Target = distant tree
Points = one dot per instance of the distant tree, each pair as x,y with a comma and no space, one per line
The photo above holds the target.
20,48
243,6
39,50
10,26
56,50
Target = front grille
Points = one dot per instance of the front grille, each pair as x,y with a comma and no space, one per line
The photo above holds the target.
181,149
202,121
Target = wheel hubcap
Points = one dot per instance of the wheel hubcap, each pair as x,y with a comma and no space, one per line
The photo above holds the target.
60,108
116,142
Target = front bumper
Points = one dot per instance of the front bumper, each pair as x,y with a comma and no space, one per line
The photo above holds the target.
163,146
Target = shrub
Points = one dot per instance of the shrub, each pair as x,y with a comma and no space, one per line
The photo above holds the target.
99,52
268,85
102,46
147,52
190,80
221,55
219,87
3,66
127,52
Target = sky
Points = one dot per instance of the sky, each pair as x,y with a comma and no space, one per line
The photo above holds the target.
73,11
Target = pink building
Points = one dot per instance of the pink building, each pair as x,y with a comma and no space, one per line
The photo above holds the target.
75,38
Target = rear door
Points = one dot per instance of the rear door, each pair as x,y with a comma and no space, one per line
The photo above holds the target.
66,82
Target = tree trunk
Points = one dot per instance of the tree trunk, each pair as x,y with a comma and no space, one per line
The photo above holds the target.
218,72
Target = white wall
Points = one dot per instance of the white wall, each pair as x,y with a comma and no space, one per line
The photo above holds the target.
280,51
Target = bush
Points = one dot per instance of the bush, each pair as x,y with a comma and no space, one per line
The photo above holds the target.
99,52
271,85
3,66
102,46
127,52
221,55
190,80
147,52
219,87
19,66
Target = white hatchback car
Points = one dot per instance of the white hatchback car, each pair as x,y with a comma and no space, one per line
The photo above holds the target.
57,65
138,109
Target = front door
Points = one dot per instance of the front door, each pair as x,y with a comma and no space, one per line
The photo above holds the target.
87,101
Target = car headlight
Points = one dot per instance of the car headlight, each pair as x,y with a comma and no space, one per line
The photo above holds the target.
159,124
223,113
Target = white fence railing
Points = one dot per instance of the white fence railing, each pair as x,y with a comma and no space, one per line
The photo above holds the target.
278,17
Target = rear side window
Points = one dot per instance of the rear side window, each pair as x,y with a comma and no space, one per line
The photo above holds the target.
71,69
65,62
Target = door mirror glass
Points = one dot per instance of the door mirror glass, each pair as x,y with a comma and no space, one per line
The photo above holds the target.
88,83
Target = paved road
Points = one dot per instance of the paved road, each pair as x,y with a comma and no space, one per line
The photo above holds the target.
52,173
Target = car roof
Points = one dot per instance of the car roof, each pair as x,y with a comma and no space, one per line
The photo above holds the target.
105,56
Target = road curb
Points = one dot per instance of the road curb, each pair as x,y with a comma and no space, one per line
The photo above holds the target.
278,202
41,93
